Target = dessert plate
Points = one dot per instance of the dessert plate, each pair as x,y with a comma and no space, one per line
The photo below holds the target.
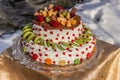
23,58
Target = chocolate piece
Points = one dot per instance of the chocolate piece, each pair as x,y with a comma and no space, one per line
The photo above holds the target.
74,10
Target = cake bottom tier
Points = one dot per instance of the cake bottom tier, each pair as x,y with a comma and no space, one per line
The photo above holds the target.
25,59
47,55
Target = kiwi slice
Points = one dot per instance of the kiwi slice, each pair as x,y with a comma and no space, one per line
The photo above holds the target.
87,31
42,42
87,34
79,41
48,43
66,45
86,39
53,45
32,36
74,44
27,30
60,47
37,39
27,26
25,35
24,49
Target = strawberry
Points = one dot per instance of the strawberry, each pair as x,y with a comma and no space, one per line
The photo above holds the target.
55,23
40,18
34,56
58,7
89,55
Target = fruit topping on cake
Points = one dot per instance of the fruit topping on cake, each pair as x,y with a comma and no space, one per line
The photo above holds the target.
57,17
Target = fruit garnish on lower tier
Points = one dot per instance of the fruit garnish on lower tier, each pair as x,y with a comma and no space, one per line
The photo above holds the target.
77,61
56,16
28,26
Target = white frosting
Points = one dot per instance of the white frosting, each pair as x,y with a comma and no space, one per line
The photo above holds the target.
57,35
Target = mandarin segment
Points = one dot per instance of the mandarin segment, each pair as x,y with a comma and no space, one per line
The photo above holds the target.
94,49
48,61
62,62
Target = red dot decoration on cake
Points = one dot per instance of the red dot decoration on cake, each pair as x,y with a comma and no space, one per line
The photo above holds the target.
51,40
77,55
67,49
68,37
64,53
32,48
46,48
77,49
82,52
39,34
56,55
55,50
33,29
68,62
81,59
45,35
46,54
89,46
57,34
86,42
32,53
51,32
40,54
70,50
27,45
72,40
40,29
72,28
73,34
62,37
38,43
67,33
78,29
56,38
70,55
54,62
39,49
80,45
86,48
61,30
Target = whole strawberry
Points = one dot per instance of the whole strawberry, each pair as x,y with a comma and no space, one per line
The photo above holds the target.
55,23
40,18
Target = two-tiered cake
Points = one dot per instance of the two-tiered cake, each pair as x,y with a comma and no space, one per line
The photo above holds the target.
58,37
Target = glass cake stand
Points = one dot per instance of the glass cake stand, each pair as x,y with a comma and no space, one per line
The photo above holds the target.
26,60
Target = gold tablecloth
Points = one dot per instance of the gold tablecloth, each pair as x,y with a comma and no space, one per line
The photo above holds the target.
108,68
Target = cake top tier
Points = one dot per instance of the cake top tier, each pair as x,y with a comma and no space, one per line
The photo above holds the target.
56,17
